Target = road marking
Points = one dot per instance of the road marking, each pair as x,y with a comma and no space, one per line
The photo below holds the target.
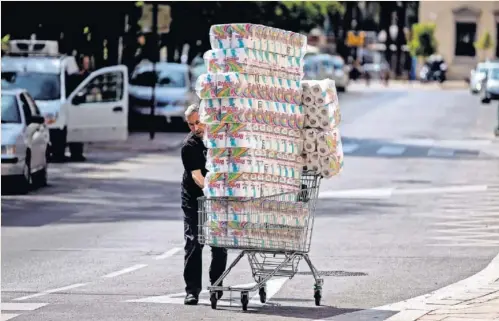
168,254
69,287
8,316
124,271
440,152
273,286
358,193
13,306
442,190
349,148
391,150
382,193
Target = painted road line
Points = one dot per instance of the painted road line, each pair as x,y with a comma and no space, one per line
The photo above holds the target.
14,306
382,193
273,286
69,287
8,316
391,150
124,271
440,152
349,148
358,193
168,254
442,190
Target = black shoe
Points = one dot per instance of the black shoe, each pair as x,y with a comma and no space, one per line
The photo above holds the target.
191,299
78,158
220,294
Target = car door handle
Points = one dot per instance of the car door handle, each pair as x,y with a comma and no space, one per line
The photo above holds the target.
117,109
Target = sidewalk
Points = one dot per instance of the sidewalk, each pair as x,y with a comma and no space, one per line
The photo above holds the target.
140,142
472,299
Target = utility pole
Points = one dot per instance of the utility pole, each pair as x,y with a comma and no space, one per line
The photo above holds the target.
155,59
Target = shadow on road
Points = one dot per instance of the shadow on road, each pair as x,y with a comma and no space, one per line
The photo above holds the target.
81,200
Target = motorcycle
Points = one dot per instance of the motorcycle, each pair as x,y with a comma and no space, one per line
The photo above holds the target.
434,69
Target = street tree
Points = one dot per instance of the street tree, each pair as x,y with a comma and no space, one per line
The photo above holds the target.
484,44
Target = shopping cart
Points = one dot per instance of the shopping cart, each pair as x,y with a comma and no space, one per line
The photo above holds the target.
274,232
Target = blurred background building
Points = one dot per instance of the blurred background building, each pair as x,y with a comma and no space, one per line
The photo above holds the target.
459,26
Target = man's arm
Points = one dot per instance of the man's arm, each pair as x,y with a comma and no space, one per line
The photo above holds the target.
193,163
198,177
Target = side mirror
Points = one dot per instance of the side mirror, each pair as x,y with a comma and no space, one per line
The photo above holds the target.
37,120
79,99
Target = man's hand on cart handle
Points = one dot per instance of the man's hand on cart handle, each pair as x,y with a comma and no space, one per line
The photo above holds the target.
198,178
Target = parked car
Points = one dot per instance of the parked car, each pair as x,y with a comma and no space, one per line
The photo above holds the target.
322,66
172,90
75,110
25,141
490,85
477,76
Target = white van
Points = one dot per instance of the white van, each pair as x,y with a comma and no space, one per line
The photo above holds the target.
94,110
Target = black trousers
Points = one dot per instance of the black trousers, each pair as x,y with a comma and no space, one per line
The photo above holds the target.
193,268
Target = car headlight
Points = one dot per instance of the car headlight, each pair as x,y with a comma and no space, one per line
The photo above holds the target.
8,149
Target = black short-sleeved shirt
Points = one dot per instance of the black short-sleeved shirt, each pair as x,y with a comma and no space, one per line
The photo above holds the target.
193,158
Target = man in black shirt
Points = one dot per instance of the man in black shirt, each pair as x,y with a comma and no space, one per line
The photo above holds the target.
194,161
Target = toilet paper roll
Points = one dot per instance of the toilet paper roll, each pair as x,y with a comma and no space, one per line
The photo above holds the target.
312,162
311,121
327,173
312,110
310,134
309,146
324,122
334,166
319,100
324,161
323,149
323,112
308,99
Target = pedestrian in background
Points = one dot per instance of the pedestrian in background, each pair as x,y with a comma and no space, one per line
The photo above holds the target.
194,161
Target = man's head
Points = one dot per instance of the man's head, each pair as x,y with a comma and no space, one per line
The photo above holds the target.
192,117
85,63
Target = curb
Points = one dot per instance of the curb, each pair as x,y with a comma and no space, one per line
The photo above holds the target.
445,298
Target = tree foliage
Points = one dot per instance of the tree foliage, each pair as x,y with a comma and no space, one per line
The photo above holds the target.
485,42
423,42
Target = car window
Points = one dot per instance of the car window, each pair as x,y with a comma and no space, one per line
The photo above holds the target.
26,108
103,88
41,86
494,74
165,77
10,110
32,104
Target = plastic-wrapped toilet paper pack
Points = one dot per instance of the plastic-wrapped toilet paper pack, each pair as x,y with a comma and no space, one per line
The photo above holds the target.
217,160
235,110
210,110
323,92
246,35
252,61
241,185
215,136
215,184
221,85
241,159
240,135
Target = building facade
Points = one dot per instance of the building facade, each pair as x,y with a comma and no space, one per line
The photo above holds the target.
458,25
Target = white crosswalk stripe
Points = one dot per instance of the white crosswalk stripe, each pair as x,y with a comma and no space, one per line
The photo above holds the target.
391,150
17,307
439,152
350,147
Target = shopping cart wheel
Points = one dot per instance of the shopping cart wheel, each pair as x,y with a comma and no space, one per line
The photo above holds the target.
317,296
214,299
263,295
244,300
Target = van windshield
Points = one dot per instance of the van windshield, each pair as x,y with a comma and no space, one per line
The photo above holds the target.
41,86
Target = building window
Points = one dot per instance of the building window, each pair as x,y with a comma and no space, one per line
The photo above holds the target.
465,37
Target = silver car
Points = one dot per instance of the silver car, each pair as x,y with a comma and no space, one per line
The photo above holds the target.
172,92
477,76
322,66
25,141
490,85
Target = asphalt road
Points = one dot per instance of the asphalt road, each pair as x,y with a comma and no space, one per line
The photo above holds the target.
415,209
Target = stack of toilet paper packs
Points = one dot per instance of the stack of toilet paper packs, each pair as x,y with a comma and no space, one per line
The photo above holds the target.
251,104
322,147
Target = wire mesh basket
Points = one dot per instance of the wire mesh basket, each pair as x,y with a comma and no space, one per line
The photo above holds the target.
275,223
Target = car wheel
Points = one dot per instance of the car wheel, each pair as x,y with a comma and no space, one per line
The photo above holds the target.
26,178
341,89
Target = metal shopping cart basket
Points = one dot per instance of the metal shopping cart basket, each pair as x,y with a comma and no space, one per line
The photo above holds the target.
273,231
